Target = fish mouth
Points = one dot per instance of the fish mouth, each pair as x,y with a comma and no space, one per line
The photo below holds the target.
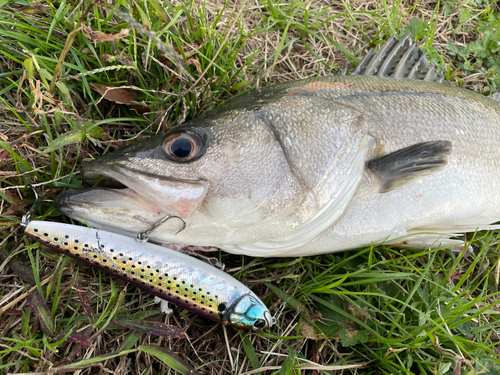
121,199
93,179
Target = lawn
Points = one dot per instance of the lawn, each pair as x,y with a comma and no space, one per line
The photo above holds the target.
376,310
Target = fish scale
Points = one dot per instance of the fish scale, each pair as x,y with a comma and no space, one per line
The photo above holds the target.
168,274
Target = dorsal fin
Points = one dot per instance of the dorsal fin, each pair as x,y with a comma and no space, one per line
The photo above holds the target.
399,59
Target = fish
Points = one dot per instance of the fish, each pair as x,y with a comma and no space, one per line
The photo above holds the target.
168,274
392,154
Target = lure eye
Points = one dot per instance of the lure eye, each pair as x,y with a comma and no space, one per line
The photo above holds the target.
259,324
183,146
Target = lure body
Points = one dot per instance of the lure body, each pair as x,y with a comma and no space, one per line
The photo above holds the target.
178,278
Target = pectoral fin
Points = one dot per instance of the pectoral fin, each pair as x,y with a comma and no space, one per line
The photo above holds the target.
400,167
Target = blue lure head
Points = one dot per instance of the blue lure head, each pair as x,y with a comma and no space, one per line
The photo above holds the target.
249,312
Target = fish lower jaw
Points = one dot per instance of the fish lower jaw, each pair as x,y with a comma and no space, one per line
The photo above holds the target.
171,195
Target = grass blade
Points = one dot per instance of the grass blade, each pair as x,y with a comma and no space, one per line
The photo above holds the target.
94,361
42,312
151,328
170,359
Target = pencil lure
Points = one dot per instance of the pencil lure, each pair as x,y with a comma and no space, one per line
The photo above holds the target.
178,278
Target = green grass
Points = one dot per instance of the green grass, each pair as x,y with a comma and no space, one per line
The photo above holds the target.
373,311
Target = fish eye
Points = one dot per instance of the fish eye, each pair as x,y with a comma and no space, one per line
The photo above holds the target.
259,324
183,146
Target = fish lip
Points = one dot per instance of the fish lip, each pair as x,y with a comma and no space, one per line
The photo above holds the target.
61,201
110,180
170,195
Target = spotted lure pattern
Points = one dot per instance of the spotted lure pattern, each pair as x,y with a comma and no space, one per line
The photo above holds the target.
168,274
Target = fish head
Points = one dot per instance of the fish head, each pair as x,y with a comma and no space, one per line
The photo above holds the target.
219,173
247,177
249,312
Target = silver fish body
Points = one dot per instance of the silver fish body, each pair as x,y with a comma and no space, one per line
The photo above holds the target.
308,167
168,274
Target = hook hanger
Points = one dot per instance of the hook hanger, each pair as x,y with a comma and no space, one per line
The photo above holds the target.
25,220
210,260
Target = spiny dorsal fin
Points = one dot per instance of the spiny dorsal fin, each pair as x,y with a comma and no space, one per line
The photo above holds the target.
399,59
400,167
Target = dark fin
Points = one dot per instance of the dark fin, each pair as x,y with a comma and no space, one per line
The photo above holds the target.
400,167
399,59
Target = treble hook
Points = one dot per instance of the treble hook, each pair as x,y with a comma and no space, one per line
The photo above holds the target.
210,260
278,313
143,236
25,220
215,262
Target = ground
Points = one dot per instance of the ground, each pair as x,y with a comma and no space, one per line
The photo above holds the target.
377,310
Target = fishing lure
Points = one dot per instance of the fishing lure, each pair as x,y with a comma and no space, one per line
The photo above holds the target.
173,276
